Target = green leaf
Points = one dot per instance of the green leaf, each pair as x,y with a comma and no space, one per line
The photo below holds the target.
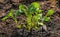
39,16
39,11
31,9
18,12
40,23
14,19
18,26
46,18
4,18
10,14
22,7
35,5
50,12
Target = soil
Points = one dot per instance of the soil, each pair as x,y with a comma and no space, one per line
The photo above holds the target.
7,28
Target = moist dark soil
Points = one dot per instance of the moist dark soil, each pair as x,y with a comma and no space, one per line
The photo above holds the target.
8,27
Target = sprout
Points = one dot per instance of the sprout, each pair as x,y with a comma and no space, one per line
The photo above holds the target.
34,17
35,5
10,14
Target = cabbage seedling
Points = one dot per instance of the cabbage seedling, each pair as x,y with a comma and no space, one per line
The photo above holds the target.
34,16
49,13
10,15
32,13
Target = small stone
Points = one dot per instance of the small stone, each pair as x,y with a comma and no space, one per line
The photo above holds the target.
16,1
7,6
2,13
3,1
16,4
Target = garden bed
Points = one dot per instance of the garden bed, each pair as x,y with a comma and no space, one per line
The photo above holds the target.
8,27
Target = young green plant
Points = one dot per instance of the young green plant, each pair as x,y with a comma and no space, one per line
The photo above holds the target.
46,18
10,15
33,14
29,12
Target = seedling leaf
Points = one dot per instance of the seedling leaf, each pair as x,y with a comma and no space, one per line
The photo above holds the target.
50,12
10,14
4,18
46,18
35,5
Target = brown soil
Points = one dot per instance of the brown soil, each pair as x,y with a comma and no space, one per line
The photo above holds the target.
7,28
